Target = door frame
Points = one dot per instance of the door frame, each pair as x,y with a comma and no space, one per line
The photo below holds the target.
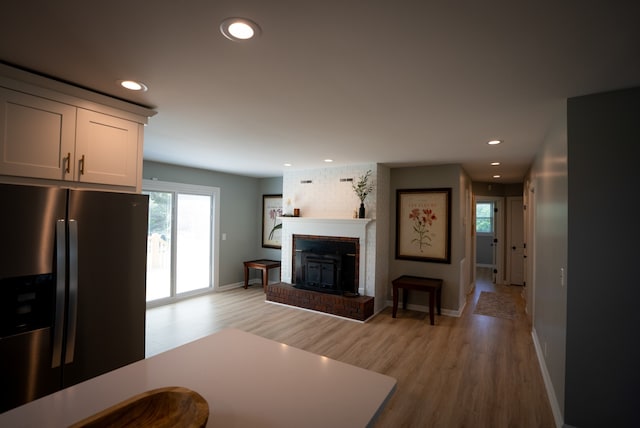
529,252
498,233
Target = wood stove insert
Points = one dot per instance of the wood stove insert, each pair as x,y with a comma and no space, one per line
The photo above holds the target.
326,264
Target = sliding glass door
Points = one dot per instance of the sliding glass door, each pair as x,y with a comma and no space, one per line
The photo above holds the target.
193,246
180,240
159,245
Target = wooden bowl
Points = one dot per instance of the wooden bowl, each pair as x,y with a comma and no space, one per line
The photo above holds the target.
163,407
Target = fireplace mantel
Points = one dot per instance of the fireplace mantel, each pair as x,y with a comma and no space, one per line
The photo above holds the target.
339,227
348,222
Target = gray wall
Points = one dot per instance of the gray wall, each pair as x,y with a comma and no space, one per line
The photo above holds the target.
267,186
241,205
603,320
549,181
431,177
240,200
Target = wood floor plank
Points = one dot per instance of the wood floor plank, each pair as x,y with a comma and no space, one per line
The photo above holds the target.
471,371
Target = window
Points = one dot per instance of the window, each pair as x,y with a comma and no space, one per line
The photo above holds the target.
484,217
180,244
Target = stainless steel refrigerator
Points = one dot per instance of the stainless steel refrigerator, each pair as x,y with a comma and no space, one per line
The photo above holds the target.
72,287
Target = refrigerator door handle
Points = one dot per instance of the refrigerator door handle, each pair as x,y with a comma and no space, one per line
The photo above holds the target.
61,264
72,318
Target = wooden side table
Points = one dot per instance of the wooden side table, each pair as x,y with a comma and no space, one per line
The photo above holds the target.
264,266
432,285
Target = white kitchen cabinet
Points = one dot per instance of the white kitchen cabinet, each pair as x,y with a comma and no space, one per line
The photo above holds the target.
106,149
46,139
37,137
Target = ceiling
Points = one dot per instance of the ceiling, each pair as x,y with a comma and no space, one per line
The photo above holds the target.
402,83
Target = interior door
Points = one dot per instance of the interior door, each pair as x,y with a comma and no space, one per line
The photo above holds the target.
485,234
516,240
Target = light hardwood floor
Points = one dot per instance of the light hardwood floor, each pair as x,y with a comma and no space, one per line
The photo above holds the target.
472,371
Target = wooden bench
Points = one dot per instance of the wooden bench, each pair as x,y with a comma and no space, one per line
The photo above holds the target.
407,282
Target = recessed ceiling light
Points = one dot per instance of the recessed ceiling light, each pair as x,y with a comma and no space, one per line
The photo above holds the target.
239,29
328,160
494,142
497,176
495,163
132,85
287,164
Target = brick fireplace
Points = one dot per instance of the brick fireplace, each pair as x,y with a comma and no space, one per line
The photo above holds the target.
357,308
327,270
339,228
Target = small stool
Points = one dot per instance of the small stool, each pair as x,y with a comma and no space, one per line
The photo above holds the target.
264,266
432,285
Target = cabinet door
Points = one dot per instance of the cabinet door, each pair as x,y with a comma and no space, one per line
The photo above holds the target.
106,149
36,136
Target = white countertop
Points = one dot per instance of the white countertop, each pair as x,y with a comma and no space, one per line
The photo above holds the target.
247,380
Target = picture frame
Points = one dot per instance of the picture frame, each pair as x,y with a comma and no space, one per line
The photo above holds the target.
423,225
271,224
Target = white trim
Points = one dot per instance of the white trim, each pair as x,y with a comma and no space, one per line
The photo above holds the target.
423,308
240,284
175,299
352,228
24,81
234,285
509,237
159,185
498,233
553,400
485,265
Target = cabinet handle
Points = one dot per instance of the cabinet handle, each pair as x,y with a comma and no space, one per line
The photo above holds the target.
68,161
82,165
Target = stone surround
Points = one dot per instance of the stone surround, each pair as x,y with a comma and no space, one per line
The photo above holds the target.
358,308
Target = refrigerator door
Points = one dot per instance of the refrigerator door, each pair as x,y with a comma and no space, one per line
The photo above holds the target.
107,283
28,220
32,230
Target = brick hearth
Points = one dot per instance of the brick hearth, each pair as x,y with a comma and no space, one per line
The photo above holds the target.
358,308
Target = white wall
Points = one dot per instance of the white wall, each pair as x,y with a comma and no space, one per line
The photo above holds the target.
326,196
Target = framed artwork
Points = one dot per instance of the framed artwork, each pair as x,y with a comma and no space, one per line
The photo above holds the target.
423,225
271,225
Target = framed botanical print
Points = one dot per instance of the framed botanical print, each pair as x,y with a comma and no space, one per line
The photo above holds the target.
423,225
271,224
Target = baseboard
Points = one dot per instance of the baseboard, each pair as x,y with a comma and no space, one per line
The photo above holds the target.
551,394
238,284
424,308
